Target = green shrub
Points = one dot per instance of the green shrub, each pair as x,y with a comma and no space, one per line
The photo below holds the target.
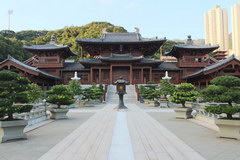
13,89
93,92
75,87
166,88
223,109
223,89
60,95
35,92
184,92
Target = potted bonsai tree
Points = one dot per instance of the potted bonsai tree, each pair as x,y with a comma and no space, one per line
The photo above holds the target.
76,89
225,89
149,93
164,90
92,94
34,92
13,89
61,97
184,92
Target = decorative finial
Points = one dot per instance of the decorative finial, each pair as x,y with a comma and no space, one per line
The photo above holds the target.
137,29
189,40
104,30
166,76
75,77
53,39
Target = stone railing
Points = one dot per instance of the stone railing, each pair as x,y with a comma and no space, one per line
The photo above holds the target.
202,112
36,115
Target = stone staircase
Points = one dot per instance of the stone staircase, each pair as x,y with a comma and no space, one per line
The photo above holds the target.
112,97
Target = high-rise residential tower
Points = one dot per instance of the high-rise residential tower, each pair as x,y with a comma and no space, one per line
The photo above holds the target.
216,28
235,13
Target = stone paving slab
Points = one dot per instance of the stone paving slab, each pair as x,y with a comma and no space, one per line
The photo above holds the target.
199,138
153,141
42,139
88,141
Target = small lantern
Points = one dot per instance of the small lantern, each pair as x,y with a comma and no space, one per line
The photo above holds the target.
121,85
121,90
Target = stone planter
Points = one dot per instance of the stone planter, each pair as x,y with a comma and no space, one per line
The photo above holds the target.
59,113
11,130
183,113
164,104
228,128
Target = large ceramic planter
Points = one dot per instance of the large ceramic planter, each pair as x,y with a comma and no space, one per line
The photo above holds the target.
228,128
59,113
183,113
11,130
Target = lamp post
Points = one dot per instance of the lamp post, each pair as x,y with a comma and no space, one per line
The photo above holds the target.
121,90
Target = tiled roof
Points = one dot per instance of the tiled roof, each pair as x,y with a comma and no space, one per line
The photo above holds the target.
121,57
189,45
50,46
213,66
168,66
10,58
73,66
46,47
121,37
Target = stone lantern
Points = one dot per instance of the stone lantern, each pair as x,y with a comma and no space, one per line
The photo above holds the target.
121,90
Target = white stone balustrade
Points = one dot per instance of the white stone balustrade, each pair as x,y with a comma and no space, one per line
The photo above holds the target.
36,115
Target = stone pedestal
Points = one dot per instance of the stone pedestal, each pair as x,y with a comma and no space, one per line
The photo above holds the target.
228,128
11,130
183,113
59,113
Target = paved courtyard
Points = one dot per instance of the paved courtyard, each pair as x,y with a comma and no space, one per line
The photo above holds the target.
105,133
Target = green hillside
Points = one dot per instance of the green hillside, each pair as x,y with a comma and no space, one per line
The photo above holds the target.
11,42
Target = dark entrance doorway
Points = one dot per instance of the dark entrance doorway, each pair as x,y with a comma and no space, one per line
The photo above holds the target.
121,71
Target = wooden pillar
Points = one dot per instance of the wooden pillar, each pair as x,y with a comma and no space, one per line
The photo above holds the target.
111,75
141,75
91,76
131,77
206,83
100,76
150,74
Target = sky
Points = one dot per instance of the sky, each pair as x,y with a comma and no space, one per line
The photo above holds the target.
173,19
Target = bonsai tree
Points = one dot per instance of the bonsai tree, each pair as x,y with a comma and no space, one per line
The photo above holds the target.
75,87
223,89
166,88
60,95
34,92
148,92
93,93
13,89
184,92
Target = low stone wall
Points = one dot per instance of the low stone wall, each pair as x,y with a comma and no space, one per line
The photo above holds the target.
38,114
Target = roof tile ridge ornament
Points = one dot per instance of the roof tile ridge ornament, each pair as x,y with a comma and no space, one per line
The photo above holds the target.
189,40
53,39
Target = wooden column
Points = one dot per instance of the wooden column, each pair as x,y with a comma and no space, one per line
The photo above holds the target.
110,74
91,76
131,76
141,76
100,76
150,74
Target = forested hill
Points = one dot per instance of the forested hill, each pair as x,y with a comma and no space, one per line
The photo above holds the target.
11,42
68,35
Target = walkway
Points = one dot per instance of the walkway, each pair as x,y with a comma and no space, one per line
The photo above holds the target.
121,135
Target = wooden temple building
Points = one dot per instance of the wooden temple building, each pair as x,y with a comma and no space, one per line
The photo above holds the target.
122,54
